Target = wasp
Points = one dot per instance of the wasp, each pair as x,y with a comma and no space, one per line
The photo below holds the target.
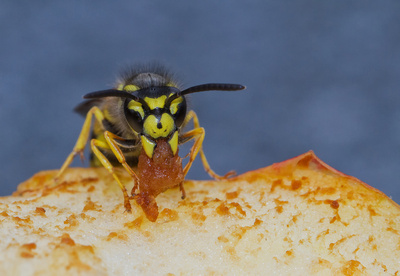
139,125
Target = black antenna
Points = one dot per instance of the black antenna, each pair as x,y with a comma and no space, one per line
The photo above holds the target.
110,93
113,93
207,87
213,86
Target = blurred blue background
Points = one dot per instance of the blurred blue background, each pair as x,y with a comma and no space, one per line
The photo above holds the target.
320,75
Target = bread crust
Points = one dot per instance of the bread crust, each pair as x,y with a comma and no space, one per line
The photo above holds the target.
297,217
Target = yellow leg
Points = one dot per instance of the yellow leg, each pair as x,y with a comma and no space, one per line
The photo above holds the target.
110,137
198,134
104,161
82,139
80,146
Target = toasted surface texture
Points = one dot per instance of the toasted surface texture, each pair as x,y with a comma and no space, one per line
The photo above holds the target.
298,217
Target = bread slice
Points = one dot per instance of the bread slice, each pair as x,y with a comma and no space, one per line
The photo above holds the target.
298,217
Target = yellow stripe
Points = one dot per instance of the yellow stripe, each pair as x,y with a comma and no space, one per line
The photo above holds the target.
148,146
153,103
171,84
136,106
151,129
173,142
120,86
131,88
174,105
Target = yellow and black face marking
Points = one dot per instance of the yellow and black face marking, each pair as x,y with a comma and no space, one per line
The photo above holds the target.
154,115
143,108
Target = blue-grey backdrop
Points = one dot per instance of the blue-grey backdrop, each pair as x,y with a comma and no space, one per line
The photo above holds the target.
320,75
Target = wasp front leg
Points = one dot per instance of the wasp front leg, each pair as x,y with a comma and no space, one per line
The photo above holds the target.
82,139
110,138
80,146
198,134
95,144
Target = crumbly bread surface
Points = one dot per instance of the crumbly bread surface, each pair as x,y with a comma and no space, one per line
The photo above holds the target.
298,217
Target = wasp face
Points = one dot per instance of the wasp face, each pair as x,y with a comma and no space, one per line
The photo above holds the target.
157,113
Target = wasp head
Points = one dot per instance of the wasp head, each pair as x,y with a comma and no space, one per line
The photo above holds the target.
157,111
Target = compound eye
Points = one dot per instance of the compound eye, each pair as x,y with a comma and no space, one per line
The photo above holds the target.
178,110
134,114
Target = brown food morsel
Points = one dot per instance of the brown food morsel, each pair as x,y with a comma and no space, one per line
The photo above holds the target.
156,175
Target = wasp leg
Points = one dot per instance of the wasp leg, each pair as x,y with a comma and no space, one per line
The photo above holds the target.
110,138
106,163
182,189
198,135
82,139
